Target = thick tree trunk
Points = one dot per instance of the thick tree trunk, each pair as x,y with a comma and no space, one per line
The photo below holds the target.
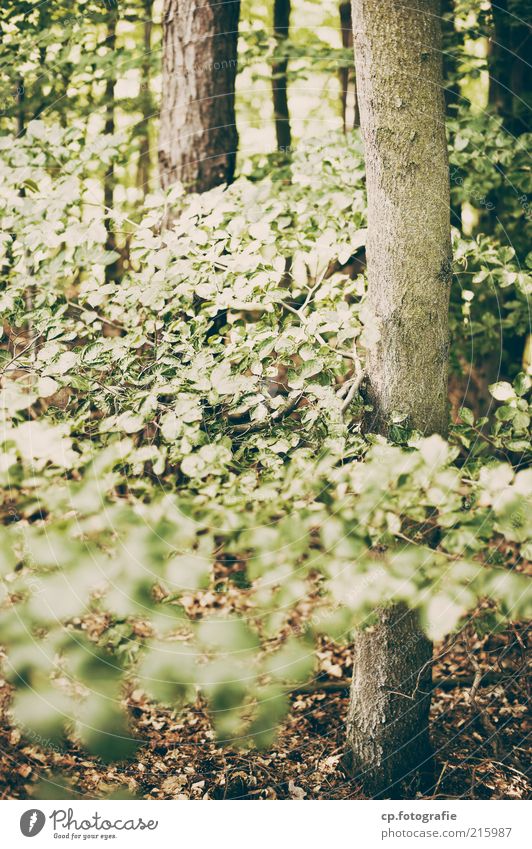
399,78
198,137
389,708
399,82
281,24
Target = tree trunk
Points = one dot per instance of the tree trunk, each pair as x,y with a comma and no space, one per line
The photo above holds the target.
347,75
111,270
281,24
453,45
399,81
510,46
143,169
21,116
510,87
398,61
389,707
198,137
452,41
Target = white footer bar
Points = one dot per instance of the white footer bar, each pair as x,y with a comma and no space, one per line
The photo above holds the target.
255,824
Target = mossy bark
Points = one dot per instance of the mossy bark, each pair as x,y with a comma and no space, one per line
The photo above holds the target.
400,90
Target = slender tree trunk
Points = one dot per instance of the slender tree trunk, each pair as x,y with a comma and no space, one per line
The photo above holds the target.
143,170
399,79
510,84
281,24
42,105
510,88
111,271
21,115
347,75
198,137
451,42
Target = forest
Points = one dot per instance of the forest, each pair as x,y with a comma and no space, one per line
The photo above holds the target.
265,382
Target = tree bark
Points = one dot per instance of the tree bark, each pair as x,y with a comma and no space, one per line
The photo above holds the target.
198,137
281,24
400,89
389,707
399,77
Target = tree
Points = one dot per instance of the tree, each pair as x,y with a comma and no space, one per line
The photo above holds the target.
509,64
146,102
111,270
281,24
347,73
399,83
452,42
198,136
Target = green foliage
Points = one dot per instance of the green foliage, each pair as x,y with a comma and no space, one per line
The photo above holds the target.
196,412
193,426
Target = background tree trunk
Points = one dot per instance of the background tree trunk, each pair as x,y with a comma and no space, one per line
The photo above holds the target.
400,89
21,116
198,137
510,88
111,270
347,75
143,169
281,24
453,44
452,41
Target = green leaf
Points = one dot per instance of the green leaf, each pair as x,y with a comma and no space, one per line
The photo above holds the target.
502,391
103,729
467,416
522,383
42,715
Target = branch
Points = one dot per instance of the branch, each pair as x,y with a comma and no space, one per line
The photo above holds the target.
254,427
300,315
355,386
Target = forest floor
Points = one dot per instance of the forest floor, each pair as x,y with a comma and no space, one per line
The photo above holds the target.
478,726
